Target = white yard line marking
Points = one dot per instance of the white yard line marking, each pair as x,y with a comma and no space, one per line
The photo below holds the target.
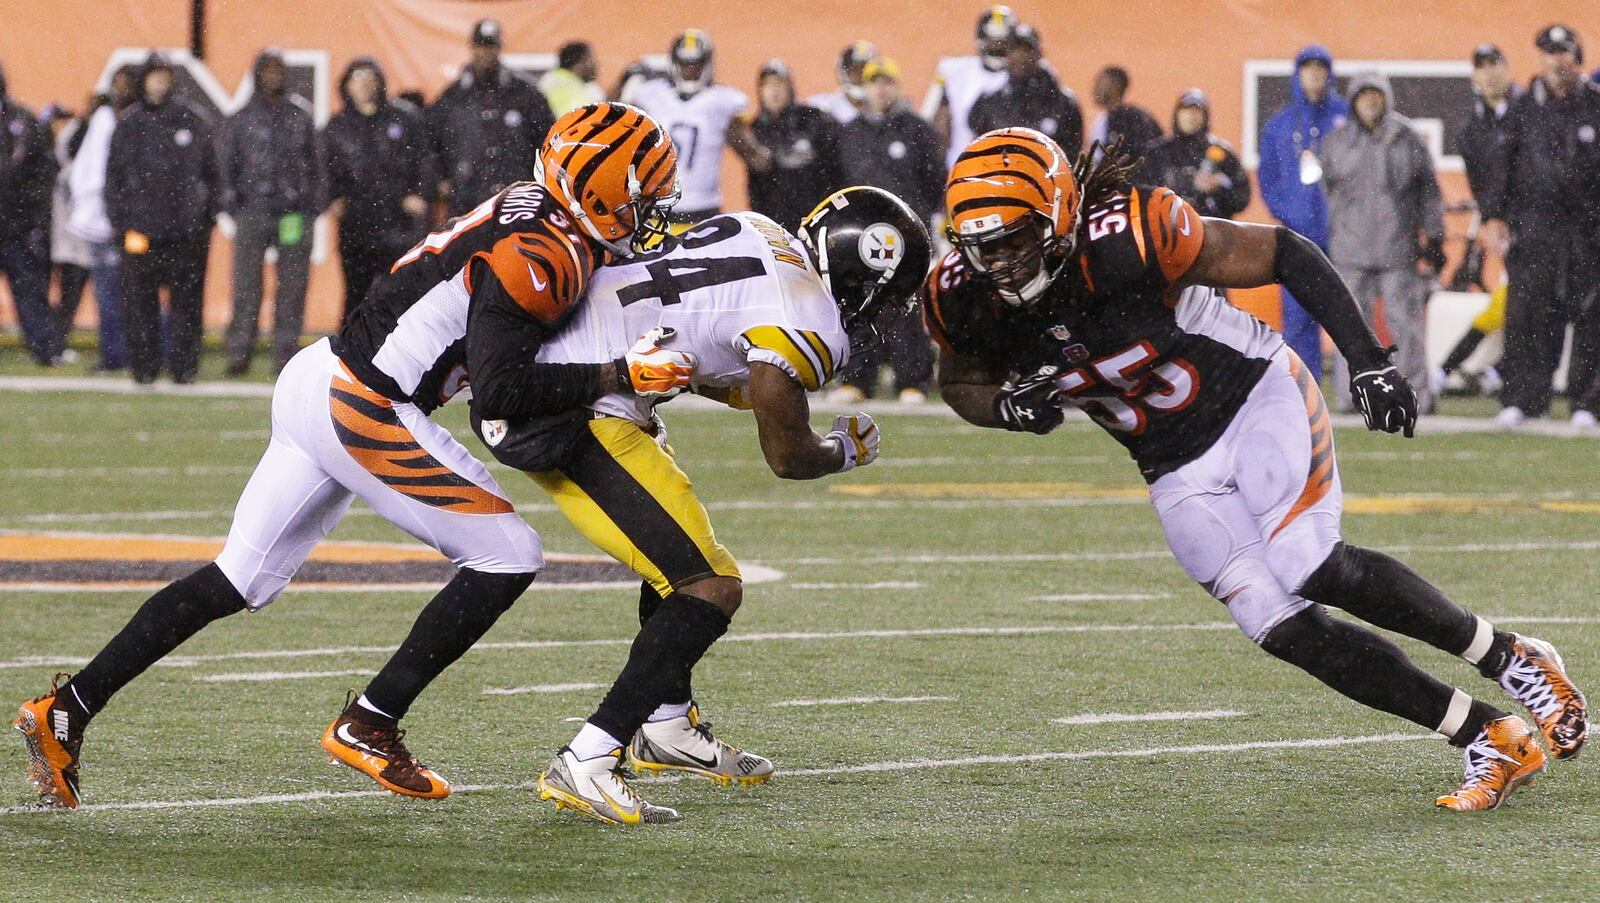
152,586
541,688
1119,718
73,473
1200,749
262,676
1101,597
189,661
882,584
1148,554
858,700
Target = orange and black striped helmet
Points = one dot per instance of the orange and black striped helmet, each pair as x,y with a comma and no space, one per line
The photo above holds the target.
614,168
1012,208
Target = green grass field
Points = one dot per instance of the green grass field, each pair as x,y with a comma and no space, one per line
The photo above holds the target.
1018,580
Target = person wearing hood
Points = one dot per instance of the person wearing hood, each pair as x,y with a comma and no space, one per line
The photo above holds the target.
487,126
89,149
161,184
844,104
1291,181
1199,166
27,177
380,172
1385,225
1032,97
890,147
271,184
796,158
1541,207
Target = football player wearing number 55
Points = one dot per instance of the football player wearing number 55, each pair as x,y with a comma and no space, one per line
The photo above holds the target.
1074,286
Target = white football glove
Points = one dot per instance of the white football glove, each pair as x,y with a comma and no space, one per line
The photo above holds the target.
656,372
858,438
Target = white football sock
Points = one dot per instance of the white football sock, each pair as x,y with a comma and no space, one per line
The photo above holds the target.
669,710
592,742
1482,639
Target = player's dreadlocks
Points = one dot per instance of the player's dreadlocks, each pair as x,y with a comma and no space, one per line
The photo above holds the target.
1103,173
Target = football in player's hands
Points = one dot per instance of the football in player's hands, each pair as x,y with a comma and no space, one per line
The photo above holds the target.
858,438
1031,404
1384,397
657,372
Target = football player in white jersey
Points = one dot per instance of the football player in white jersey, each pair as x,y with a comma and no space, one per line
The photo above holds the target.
766,317
845,104
702,117
960,80
350,418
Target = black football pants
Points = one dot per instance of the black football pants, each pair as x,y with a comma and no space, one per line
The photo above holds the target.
181,266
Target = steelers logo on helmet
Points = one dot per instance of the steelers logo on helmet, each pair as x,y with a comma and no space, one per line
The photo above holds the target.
882,247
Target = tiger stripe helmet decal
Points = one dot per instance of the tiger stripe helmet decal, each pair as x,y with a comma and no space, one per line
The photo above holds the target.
615,170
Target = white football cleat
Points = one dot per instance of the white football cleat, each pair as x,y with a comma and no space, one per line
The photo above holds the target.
596,788
1510,417
1584,420
686,744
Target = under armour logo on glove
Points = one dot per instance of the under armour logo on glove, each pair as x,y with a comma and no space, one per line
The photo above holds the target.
1031,404
1385,400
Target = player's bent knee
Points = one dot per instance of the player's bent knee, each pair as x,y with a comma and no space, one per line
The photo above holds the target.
725,593
495,593
1338,573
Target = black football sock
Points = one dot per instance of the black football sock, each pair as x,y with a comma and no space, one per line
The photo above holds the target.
1463,350
664,652
1376,673
161,625
1382,591
649,600
458,616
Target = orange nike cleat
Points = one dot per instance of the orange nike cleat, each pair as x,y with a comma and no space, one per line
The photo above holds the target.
1503,757
1537,678
53,741
380,753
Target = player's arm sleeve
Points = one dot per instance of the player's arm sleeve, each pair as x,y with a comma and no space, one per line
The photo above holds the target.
509,319
801,353
1301,267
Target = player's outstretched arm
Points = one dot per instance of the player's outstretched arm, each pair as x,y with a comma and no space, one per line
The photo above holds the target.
969,388
1030,404
1243,255
792,448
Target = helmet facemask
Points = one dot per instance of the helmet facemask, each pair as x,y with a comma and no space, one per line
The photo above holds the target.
1020,259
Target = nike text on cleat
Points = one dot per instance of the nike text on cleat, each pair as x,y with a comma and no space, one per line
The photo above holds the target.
686,744
380,753
596,788
1537,678
1503,757
53,743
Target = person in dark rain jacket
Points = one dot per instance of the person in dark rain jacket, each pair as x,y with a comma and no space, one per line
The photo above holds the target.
161,180
380,174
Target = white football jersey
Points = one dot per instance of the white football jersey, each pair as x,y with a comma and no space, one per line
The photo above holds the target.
960,81
736,288
835,104
698,125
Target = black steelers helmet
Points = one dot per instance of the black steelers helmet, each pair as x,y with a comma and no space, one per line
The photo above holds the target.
691,53
997,28
872,253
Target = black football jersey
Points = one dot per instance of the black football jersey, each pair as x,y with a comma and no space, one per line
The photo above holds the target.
514,266
1162,368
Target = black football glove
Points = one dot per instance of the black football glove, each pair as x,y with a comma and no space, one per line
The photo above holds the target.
1383,396
1031,404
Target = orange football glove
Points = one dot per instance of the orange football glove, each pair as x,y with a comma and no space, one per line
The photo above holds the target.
656,372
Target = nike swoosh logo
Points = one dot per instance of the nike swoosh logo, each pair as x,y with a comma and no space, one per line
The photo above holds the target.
540,285
696,759
344,736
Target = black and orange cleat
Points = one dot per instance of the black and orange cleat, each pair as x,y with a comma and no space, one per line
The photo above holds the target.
1537,678
53,736
379,752
1503,757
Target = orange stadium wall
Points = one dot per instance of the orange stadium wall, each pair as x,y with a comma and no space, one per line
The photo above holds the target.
59,48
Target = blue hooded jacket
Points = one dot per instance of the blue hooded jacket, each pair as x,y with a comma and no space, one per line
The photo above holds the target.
1298,127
